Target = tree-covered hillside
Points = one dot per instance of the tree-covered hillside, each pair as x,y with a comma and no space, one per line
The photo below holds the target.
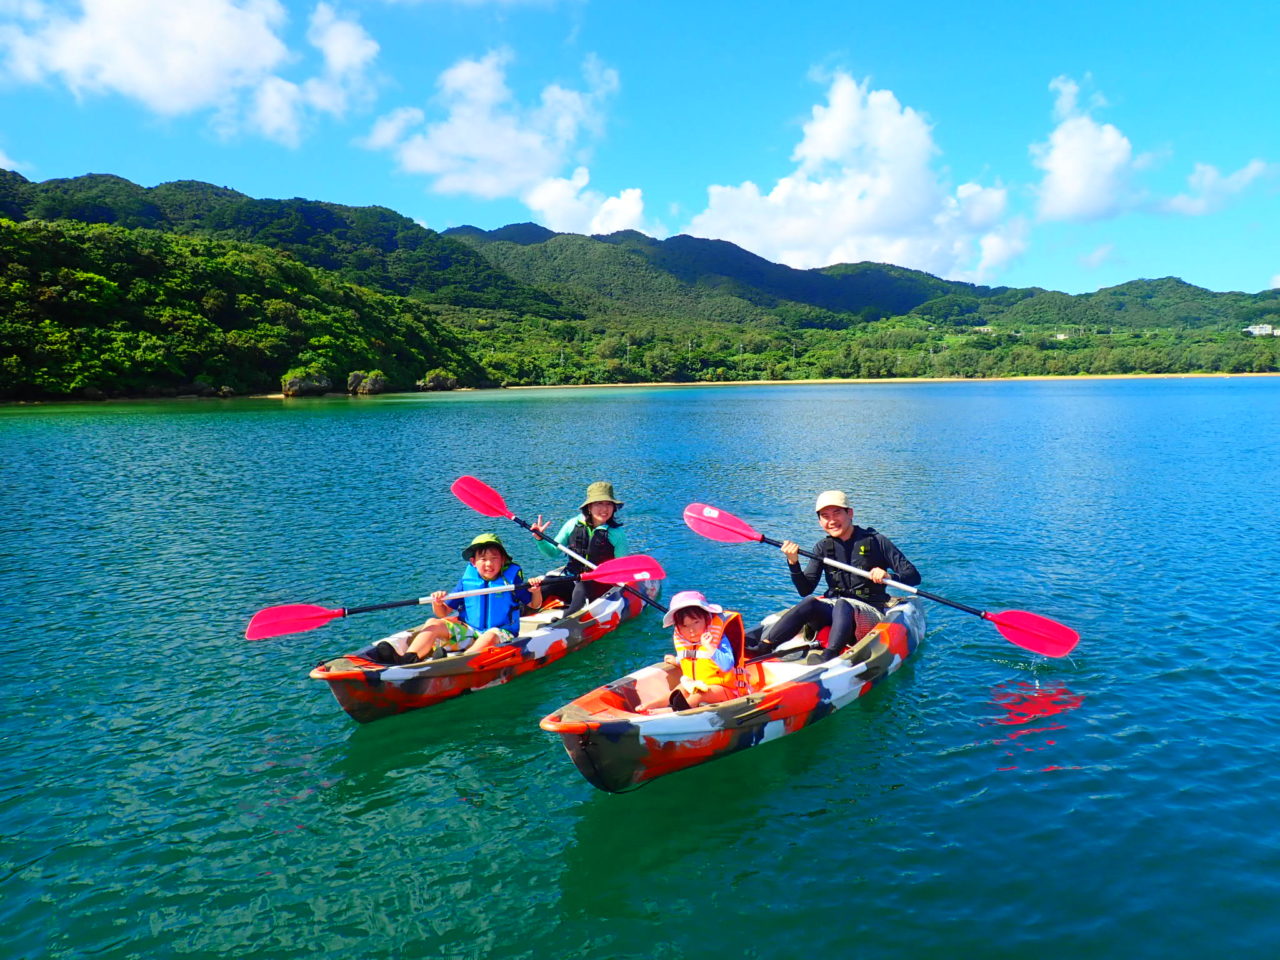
630,274
112,288
372,246
100,310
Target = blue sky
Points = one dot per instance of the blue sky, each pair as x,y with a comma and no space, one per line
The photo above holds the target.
1071,146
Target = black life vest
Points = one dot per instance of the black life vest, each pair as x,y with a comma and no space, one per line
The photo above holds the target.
592,543
863,551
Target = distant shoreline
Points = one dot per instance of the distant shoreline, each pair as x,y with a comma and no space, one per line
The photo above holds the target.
830,380
659,383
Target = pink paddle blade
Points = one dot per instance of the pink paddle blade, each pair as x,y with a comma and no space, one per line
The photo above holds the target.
290,618
1034,632
481,497
720,525
636,566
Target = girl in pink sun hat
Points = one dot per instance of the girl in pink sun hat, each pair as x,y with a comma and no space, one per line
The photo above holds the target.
706,653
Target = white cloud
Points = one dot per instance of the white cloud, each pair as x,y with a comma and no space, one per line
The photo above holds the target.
221,56
1210,190
489,145
173,58
1087,165
22,9
392,128
1275,281
1097,257
997,248
1068,93
280,108
565,205
980,207
8,163
347,49
864,188
479,3
1066,103
276,111
1090,169
348,54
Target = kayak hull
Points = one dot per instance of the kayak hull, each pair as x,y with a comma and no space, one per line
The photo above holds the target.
618,747
369,690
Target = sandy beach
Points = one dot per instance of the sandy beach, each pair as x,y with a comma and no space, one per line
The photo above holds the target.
700,383
758,383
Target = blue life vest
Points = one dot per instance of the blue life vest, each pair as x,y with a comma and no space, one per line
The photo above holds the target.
488,610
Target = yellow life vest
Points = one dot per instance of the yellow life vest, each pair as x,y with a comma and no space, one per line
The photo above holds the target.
697,657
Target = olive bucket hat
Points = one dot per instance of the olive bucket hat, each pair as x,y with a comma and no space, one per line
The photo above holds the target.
485,540
598,492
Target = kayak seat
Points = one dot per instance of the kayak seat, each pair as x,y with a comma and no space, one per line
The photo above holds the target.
648,690
532,620
866,648
736,635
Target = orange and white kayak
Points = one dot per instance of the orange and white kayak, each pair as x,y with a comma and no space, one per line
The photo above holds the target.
619,745
369,689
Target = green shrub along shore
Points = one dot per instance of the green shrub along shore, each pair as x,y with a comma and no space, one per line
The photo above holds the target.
111,289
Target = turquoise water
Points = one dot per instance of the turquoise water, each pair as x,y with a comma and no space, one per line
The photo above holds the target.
170,789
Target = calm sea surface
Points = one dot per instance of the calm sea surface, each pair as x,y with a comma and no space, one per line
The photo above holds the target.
169,789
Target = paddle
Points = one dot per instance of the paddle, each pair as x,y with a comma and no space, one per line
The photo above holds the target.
299,617
482,498
1029,630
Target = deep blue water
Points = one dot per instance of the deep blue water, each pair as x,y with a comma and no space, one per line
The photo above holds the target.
170,789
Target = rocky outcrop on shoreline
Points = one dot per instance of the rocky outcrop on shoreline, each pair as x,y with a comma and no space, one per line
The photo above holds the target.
366,384
306,385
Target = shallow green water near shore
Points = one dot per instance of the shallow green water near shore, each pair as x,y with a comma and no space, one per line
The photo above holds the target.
170,789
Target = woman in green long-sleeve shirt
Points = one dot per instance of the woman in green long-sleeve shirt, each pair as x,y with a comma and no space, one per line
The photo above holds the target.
595,534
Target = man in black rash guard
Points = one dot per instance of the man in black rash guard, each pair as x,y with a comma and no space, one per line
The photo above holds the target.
852,605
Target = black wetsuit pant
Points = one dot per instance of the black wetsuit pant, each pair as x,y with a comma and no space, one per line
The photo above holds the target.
815,612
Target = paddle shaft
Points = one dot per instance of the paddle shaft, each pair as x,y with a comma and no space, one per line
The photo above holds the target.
1028,630
421,601
298,617
582,560
915,591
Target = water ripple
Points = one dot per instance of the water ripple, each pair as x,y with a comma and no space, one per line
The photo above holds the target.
170,789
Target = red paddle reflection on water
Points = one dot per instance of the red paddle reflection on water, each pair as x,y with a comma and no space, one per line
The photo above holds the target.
1025,703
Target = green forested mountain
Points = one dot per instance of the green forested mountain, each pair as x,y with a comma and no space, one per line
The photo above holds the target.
110,287
93,309
372,246
630,274
690,309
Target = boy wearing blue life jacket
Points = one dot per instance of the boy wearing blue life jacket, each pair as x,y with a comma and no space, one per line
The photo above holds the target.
477,623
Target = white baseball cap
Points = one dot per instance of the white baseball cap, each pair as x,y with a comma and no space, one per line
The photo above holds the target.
831,498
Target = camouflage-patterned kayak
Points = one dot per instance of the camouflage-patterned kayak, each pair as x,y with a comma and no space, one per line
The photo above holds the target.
619,747
369,690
